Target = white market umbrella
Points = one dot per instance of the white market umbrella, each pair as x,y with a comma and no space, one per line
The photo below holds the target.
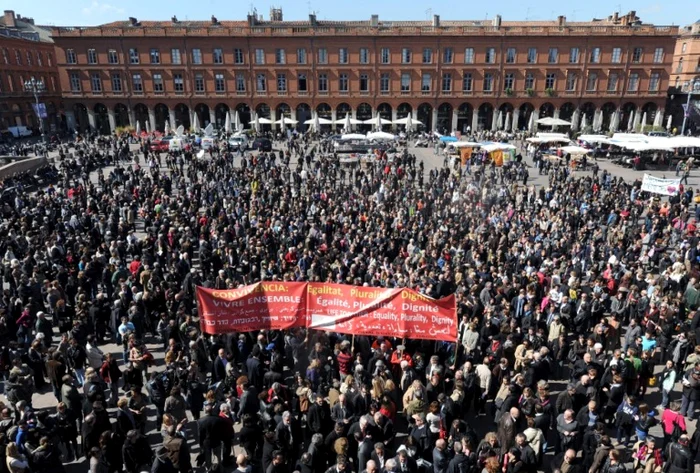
264,121
584,121
138,128
409,122
282,122
630,122
255,122
196,126
346,124
658,118
575,118
317,122
166,130
227,123
148,127
644,121
507,125
499,122
380,135
669,122
615,123
237,121
531,122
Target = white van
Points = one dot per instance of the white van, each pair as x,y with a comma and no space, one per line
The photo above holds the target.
19,131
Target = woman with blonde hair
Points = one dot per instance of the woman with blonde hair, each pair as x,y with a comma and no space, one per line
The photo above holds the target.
15,461
348,386
377,388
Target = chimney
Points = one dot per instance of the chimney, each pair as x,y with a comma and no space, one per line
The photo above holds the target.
374,21
133,21
497,21
174,19
29,20
276,14
312,19
561,20
214,20
252,19
436,21
10,19
616,17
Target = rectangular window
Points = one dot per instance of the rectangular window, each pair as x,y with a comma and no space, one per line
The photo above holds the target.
259,56
178,83
509,81
592,82
322,56
96,82
385,56
238,56
158,83
405,82
219,83
613,79
70,56
343,83
364,56
384,83
218,56
112,57
490,55
447,83
658,55
550,81
510,56
595,56
134,56
488,82
654,80
91,56
155,56
301,56
616,56
196,56
49,58
532,55
574,55
302,84
553,56
467,83
570,81
529,81
427,56
240,83
74,82
199,83
282,83
425,83
39,60
447,55
323,83
343,56
633,82
406,56
364,83
637,55
175,56
116,82
136,83
18,57
280,56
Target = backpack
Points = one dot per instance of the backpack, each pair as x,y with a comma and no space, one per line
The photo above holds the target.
677,430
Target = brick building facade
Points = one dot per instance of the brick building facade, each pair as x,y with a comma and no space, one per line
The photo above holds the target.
27,51
450,75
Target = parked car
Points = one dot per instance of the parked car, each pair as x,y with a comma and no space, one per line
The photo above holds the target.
161,145
238,142
262,144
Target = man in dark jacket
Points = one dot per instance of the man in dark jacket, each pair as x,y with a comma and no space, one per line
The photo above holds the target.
440,460
318,418
214,430
137,453
679,457
460,463
254,369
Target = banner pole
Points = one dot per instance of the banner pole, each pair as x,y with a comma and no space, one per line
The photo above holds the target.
352,344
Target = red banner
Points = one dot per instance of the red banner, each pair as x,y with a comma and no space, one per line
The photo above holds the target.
338,308
267,305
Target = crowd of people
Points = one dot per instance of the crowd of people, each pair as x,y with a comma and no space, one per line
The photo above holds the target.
568,296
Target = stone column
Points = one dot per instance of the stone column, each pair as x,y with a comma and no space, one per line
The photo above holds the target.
132,118
475,120
70,119
536,114
212,117
91,118
494,120
515,120
556,113
455,119
152,118
394,117
112,121
273,117
435,119
171,118
333,119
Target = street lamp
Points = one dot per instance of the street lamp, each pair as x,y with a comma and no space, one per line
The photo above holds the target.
36,87
693,87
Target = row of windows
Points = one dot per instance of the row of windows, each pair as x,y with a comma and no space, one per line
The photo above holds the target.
448,56
18,85
426,84
29,58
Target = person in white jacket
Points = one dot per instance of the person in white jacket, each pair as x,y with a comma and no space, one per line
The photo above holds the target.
95,356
